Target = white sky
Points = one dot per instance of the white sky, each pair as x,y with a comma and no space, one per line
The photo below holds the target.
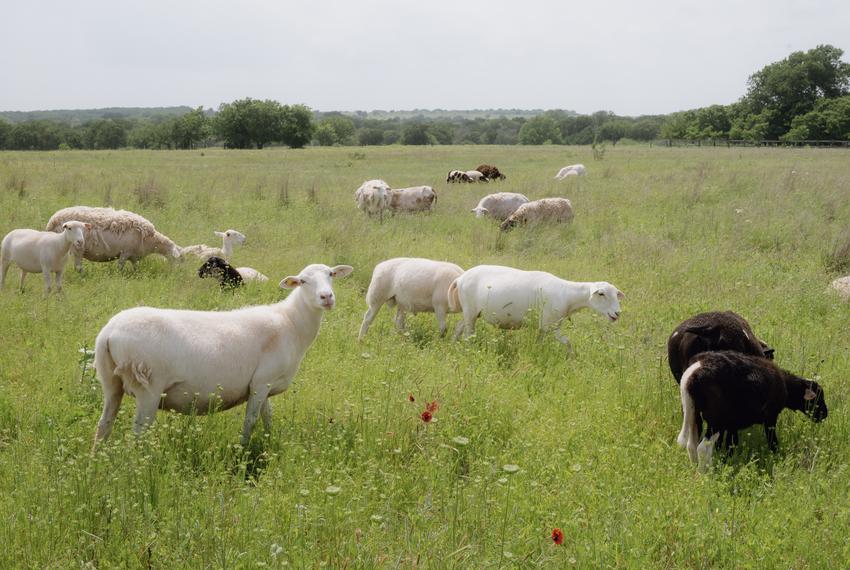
656,56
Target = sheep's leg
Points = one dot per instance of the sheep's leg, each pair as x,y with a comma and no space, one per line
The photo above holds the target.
770,433
440,311
399,318
23,276
78,262
46,283
58,281
469,319
458,329
146,405
705,450
252,410
4,267
122,259
113,392
266,415
367,320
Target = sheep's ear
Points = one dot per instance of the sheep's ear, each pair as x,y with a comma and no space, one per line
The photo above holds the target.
621,295
341,271
219,234
809,395
291,282
64,226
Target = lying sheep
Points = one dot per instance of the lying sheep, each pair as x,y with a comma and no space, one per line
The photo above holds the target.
571,170
504,296
114,234
500,205
251,274
203,361
475,176
544,210
229,238
490,172
413,285
227,275
413,199
457,176
41,252
715,330
373,197
732,391
842,286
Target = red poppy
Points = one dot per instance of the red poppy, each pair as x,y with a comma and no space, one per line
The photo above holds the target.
411,398
557,536
426,416
432,407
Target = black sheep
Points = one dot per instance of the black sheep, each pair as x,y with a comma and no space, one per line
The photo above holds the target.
228,277
715,330
732,391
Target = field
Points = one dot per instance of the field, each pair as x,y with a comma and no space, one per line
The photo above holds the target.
350,475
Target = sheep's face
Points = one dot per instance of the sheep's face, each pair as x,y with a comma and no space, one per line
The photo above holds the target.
479,212
815,405
605,299
74,232
316,284
213,267
234,237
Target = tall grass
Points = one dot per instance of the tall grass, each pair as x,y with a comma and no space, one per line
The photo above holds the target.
350,475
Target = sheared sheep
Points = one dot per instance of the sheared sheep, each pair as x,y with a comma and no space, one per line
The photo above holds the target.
203,361
500,205
228,277
413,199
114,234
732,391
504,296
571,170
373,197
413,285
544,210
34,251
229,238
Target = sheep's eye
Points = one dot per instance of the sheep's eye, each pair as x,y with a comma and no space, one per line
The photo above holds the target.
600,293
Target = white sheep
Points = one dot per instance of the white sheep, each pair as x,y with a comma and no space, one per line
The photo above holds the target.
114,234
842,286
475,176
544,210
571,170
413,199
504,296
229,238
41,252
204,361
499,205
413,285
373,197
251,274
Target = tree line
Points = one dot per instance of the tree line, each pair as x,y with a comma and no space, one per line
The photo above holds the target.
805,96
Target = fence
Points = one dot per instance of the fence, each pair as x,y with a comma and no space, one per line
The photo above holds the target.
754,143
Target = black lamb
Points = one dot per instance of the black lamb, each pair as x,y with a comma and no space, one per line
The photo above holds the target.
228,277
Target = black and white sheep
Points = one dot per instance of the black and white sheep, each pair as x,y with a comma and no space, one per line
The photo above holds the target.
227,275
732,391
714,330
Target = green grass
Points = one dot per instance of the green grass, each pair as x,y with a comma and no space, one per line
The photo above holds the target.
757,231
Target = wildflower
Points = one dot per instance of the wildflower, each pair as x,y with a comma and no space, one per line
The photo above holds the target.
426,416
432,407
557,536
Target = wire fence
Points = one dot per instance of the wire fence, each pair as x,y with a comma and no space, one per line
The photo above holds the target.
753,143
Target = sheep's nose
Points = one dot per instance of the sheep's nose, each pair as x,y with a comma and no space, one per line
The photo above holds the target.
326,297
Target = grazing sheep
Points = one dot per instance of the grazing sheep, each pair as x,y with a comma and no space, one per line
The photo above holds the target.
500,205
413,199
571,170
228,277
251,274
413,285
203,361
503,296
373,197
842,286
490,172
475,176
543,210
715,330
41,252
114,234
457,176
732,391
229,238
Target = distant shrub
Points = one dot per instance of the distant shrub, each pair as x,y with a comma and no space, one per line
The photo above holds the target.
837,259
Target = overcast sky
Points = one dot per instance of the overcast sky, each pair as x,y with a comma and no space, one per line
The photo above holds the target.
633,58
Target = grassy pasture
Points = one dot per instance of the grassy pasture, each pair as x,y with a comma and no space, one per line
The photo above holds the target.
350,475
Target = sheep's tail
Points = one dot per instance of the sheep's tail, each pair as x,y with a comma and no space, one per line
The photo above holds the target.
454,297
689,434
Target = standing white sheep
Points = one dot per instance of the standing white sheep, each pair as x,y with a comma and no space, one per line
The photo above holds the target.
373,197
499,205
41,252
413,199
114,234
571,170
203,361
413,285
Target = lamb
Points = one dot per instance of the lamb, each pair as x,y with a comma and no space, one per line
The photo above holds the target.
204,361
842,286
715,330
228,277
413,285
457,176
373,197
114,234
544,210
490,172
34,251
229,238
499,205
504,296
732,391
571,170
413,199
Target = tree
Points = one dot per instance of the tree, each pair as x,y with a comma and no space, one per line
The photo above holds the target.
296,126
791,87
335,130
613,130
5,131
370,136
189,129
247,123
415,134
540,130
830,119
